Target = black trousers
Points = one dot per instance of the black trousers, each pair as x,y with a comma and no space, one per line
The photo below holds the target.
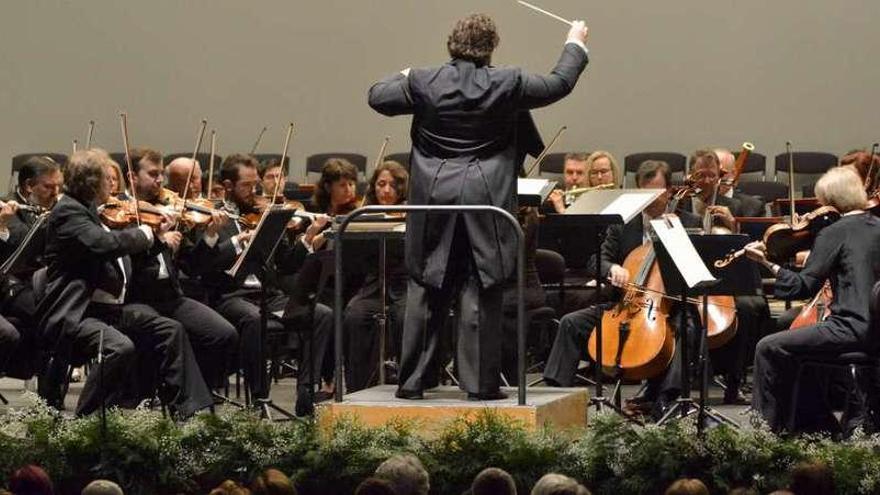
361,328
570,347
478,327
775,367
244,313
753,322
9,341
132,334
213,339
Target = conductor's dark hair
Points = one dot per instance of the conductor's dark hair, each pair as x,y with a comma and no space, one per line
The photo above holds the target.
232,164
473,38
34,167
650,169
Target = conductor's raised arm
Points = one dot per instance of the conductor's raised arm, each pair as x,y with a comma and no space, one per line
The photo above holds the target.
540,90
391,96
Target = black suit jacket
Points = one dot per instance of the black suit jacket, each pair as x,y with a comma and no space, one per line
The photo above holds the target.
470,132
81,257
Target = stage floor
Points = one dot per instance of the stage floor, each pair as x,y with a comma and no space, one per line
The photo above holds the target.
284,395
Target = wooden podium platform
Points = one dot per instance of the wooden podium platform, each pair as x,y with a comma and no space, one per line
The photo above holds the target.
560,408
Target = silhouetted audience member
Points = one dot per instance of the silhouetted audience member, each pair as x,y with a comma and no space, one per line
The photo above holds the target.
742,490
375,486
687,486
102,487
230,487
30,480
812,478
493,481
406,474
557,484
272,482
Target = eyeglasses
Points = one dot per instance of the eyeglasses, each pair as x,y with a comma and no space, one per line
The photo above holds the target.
597,172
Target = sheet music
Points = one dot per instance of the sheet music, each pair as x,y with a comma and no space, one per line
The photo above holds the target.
683,252
624,203
534,187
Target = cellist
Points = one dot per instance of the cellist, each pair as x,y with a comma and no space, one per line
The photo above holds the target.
848,254
575,328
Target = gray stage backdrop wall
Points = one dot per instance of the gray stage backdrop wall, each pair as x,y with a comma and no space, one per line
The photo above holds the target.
670,75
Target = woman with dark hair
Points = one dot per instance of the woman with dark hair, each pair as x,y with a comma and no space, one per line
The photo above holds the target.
363,314
334,195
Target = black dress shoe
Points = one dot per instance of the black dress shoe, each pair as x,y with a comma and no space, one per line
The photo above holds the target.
735,397
496,395
409,394
305,402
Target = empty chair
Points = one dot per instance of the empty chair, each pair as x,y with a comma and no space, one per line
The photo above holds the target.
676,161
401,158
755,163
315,163
265,158
767,191
805,163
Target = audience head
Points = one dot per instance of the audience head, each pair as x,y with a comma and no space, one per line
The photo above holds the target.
654,174
742,490
239,177
841,188
812,478
556,484
574,170
31,480
687,486
336,187
389,184
272,482
178,171
493,481
40,181
601,169
473,38
102,487
87,176
406,474
230,487
375,486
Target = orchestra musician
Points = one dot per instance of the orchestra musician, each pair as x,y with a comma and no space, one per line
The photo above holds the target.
466,150
270,172
117,180
848,254
752,311
178,171
575,328
156,286
88,280
387,186
581,170
40,183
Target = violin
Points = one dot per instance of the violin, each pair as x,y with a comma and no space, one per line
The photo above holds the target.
119,214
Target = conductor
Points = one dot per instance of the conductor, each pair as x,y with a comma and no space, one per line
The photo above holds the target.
470,132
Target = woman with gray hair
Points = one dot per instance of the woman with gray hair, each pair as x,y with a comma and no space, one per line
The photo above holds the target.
847,254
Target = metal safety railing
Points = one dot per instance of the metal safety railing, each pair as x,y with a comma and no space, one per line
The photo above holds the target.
445,209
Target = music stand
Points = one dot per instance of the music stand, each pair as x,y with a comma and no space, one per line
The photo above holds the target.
686,275
533,192
254,261
595,211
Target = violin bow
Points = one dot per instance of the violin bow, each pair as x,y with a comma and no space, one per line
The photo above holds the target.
546,150
137,211
793,215
259,138
282,177
89,134
192,169
211,165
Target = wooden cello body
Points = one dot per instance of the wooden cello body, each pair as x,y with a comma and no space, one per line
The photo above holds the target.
637,341
818,309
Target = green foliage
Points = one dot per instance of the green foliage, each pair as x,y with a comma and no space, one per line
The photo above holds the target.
147,453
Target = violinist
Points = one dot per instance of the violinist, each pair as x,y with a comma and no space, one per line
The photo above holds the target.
40,183
580,171
117,188
239,302
156,286
88,282
575,328
334,195
848,254
179,170
388,186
